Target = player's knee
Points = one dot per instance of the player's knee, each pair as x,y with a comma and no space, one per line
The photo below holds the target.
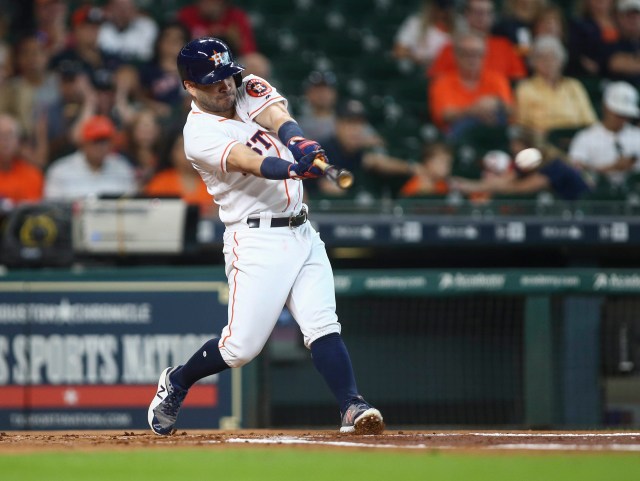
238,358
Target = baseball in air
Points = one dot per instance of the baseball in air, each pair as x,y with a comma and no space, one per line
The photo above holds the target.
528,159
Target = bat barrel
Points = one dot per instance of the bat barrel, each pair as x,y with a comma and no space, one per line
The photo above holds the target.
341,177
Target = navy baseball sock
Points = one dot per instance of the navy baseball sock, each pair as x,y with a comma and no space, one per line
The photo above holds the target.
331,358
205,362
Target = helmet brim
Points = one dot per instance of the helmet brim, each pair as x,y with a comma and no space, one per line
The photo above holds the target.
221,74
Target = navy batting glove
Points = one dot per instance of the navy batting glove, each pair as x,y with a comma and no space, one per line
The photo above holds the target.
304,168
299,147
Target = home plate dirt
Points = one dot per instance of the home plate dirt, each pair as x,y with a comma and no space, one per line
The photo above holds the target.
21,441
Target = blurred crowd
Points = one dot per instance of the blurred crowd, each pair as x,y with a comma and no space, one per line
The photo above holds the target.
91,102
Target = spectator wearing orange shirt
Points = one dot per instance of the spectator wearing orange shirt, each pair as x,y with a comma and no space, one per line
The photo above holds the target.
181,180
470,95
432,177
19,180
502,56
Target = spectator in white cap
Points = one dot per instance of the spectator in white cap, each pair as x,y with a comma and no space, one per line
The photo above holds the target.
611,146
623,61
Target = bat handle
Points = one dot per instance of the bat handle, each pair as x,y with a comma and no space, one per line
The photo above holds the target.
342,177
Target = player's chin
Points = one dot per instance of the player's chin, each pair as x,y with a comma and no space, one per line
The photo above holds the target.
227,101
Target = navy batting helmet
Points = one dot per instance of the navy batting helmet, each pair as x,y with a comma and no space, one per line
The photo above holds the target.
208,60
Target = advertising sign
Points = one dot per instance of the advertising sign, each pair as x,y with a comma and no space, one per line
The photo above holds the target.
87,355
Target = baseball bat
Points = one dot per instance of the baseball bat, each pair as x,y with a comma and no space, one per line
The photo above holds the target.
341,177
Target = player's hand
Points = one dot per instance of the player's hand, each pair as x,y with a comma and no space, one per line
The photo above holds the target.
299,147
304,168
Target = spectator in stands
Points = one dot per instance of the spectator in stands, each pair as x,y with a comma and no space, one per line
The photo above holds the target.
553,174
501,55
590,33
180,179
161,87
318,112
6,67
432,177
30,94
357,147
94,169
470,95
19,180
222,19
142,145
423,35
51,24
550,21
516,22
623,58
127,33
549,100
611,147
98,65
78,102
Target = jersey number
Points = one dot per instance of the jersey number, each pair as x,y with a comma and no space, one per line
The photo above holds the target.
259,139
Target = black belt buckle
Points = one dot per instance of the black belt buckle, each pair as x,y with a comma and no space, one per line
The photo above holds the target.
297,220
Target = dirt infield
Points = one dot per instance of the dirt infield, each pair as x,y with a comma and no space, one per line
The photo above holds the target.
14,441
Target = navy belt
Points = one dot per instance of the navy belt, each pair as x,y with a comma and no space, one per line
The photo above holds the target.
291,221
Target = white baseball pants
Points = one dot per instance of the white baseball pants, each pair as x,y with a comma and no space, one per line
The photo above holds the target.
268,268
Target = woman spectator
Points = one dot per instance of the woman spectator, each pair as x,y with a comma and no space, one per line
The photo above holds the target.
422,35
550,21
31,96
160,82
589,35
548,100
142,145
180,179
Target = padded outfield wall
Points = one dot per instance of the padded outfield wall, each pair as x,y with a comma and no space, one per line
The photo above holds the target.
555,348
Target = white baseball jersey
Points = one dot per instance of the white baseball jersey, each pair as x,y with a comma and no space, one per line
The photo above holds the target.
208,139
267,267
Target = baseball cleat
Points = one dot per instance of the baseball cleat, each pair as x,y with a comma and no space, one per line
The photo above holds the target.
361,418
165,406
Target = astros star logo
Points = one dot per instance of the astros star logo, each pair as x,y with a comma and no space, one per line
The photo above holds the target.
220,58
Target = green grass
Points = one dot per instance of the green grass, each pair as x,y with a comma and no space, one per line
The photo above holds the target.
286,464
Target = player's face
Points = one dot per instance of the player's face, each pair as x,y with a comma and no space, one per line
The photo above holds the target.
217,98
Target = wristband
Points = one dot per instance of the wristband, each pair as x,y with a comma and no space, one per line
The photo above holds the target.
275,168
288,130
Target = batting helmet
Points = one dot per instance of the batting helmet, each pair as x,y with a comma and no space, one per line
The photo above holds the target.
208,60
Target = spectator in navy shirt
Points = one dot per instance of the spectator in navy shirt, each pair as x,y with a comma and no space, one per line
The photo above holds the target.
623,61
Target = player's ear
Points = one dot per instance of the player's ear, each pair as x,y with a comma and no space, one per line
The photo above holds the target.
189,86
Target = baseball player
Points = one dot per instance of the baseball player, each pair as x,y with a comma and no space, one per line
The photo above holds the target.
252,155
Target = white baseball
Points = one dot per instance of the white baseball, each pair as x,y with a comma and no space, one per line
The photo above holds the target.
528,159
